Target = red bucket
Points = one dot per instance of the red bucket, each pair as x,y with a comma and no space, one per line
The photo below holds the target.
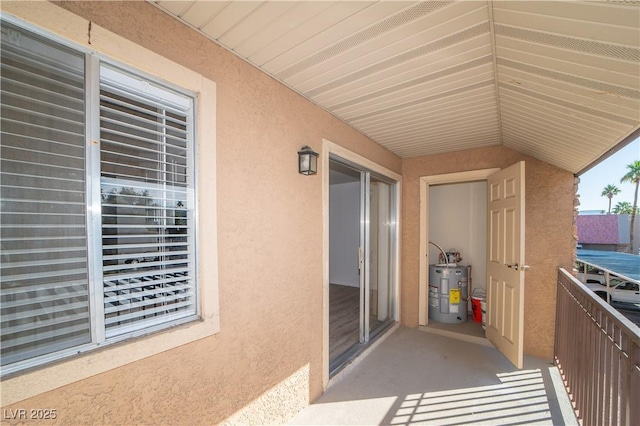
476,308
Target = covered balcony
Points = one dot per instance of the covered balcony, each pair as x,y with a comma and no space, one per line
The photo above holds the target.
408,95
416,377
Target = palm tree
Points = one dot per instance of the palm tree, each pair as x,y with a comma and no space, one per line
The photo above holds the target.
623,207
633,176
609,191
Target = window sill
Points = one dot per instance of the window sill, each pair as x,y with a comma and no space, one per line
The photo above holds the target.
42,379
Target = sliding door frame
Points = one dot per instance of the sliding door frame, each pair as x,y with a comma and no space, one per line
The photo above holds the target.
331,149
365,255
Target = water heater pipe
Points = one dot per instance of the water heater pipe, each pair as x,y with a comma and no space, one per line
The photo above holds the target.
446,259
469,283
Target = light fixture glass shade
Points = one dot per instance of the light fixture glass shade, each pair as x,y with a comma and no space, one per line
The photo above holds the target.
307,161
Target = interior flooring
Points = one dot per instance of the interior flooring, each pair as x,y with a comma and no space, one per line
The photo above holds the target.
344,321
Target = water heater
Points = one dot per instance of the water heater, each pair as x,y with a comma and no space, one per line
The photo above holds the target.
448,293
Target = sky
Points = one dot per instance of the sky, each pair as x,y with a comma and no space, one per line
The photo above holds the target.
608,172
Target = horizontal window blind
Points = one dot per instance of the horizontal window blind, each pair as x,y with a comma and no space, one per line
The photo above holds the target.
146,156
43,245
80,268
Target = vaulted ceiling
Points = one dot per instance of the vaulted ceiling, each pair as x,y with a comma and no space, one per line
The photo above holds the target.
559,81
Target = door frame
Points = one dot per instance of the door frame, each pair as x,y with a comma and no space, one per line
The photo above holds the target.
329,148
425,182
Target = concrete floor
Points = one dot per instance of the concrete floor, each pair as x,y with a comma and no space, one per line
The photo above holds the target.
415,377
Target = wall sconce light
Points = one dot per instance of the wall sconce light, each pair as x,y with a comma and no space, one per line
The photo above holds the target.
307,161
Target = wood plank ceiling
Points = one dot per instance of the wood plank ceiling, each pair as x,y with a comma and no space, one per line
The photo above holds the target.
559,81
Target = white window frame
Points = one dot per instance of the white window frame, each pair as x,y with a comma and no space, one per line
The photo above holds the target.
98,70
68,29
135,81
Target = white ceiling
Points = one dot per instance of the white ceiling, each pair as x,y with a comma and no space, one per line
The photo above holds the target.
556,80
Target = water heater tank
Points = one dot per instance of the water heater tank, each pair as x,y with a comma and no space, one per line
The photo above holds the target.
448,293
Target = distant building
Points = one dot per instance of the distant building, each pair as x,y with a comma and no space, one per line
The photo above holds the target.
607,232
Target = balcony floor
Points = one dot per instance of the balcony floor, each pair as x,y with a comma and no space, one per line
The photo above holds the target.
416,377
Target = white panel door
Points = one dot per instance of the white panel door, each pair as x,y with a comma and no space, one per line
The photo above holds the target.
505,258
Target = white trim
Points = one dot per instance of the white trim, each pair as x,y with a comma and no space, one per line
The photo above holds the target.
127,81
425,182
325,263
328,148
94,206
340,151
60,25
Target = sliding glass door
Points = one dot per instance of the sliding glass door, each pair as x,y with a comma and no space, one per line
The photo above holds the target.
380,244
363,238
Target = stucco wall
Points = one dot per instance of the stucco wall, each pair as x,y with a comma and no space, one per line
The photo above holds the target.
549,197
268,354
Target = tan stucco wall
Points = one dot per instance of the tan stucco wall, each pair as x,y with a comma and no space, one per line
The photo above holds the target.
268,354
549,243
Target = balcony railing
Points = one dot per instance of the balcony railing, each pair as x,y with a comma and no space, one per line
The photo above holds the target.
597,351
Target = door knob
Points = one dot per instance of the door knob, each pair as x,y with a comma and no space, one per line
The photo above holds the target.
517,267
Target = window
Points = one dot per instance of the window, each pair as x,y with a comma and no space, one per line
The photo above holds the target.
97,197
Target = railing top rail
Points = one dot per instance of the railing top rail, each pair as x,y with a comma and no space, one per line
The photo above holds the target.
602,268
620,320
